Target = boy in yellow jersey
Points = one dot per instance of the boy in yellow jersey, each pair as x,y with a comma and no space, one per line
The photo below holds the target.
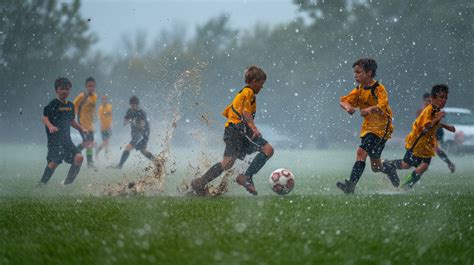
84,105
105,117
421,142
371,98
439,135
241,136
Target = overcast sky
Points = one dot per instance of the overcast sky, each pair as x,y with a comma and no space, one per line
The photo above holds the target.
111,19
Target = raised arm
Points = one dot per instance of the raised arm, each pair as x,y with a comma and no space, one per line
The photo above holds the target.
448,127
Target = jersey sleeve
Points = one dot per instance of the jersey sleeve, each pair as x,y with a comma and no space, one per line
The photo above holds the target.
382,102
48,110
77,102
128,115
425,118
246,101
352,98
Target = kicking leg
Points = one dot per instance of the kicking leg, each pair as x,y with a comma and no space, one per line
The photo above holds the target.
74,169
246,180
147,154
379,165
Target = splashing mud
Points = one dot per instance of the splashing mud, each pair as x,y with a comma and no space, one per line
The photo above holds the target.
153,183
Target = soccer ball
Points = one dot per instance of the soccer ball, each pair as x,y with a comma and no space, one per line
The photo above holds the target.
282,181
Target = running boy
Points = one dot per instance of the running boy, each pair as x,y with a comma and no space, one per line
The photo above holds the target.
85,104
136,117
241,136
105,117
371,98
58,117
439,135
421,142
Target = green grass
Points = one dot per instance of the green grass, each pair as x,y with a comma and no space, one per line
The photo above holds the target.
315,224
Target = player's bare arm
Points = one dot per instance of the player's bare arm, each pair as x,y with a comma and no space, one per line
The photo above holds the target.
347,107
448,127
51,127
249,119
78,127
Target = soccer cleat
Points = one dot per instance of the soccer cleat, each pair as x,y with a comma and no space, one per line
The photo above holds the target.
247,183
409,182
198,187
347,187
452,167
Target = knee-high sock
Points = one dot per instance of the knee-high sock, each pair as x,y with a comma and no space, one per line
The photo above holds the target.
89,156
80,147
148,155
48,172
443,156
391,172
396,163
124,157
257,164
357,171
412,179
71,175
212,173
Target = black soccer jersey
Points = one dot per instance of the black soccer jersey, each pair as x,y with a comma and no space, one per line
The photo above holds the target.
60,114
137,117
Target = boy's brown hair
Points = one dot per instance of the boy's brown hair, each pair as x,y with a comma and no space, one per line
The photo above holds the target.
368,64
254,72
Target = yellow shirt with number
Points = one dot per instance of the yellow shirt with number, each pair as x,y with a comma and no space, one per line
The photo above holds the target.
105,116
85,110
378,123
425,147
246,101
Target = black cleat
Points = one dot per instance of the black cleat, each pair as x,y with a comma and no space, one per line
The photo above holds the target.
347,187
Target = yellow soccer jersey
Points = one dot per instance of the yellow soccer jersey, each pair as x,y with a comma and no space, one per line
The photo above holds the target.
425,147
377,123
245,100
105,116
85,110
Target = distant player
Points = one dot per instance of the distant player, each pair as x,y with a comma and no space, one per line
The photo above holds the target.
136,117
371,98
105,117
439,135
241,136
85,104
58,117
421,142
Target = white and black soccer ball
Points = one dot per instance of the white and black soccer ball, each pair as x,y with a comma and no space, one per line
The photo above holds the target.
282,181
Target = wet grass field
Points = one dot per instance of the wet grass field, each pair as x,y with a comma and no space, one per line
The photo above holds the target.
315,224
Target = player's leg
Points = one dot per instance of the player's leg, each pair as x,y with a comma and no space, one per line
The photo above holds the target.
48,172
126,153
357,169
77,160
445,158
147,154
199,184
413,177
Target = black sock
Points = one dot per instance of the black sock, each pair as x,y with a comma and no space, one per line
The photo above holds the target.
212,173
357,171
391,172
124,157
48,172
257,163
71,175
80,147
148,155
414,179
443,156
396,163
